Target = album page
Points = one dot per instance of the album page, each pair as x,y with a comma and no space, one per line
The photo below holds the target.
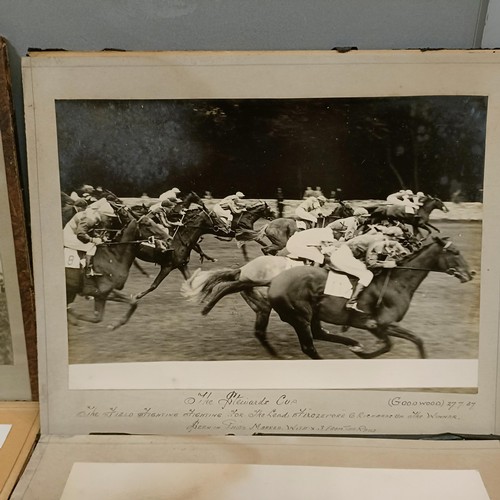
191,309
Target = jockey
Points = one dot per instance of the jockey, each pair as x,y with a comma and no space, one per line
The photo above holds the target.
228,206
345,229
310,208
171,195
307,244
80,232
162,210
404,198
353,257
418,198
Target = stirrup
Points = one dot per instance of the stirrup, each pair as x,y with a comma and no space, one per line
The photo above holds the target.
353,306
92,274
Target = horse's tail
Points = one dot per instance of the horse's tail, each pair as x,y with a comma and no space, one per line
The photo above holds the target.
243,235
201,283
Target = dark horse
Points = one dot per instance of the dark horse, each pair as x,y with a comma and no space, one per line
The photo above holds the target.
386,299
195,222
419,220
279,230
297,296
242,224
112,261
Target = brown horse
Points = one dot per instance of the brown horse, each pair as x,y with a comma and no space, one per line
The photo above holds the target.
112,262
388,296
419,220
297,296
195,223
242,224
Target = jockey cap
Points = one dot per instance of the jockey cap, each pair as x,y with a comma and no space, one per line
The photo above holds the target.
176,190
322,198
239,194
103,207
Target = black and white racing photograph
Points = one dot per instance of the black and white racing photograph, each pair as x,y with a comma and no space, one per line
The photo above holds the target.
272,229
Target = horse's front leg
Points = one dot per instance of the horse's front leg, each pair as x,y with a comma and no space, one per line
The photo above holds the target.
383,341
257,300
395,330
164,272
319,333
99,305
244,252
202,254
117,296
141,269
185,271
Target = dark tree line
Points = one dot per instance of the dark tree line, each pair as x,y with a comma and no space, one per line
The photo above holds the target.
368,147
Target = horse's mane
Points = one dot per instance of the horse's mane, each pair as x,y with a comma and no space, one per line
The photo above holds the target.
255,204
192,213
411,256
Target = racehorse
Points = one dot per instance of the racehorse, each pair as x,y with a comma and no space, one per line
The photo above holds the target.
386,299
242,225
112,261
280,230
419,220
195,222
297,296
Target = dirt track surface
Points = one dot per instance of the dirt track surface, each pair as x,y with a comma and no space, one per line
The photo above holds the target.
166,327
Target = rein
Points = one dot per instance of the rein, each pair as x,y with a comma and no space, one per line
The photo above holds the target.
109,243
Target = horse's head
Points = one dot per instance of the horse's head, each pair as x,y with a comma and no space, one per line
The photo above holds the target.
343,210
153,232
193,197
434,202
265,211
452,262
205,220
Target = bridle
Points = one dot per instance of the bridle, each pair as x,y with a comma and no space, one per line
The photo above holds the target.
450,270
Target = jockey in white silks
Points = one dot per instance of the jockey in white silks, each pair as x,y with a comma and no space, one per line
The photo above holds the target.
78,232
310,208
320,246
353,257
404,198
228,206
171,195
307,244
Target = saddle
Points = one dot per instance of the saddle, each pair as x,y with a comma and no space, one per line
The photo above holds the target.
303,224
73,259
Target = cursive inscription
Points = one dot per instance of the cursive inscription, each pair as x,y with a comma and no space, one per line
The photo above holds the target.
274,412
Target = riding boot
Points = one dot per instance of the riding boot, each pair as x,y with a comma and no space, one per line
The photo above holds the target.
89,266
352,303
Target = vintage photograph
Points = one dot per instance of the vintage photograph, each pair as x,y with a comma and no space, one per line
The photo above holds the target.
17,325
317,227
272,229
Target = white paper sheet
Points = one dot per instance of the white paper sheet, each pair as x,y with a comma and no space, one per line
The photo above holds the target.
4,432
125,481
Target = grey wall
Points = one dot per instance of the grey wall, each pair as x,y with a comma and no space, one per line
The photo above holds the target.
239,25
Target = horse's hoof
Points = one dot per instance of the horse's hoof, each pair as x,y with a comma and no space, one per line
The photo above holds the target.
357,348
